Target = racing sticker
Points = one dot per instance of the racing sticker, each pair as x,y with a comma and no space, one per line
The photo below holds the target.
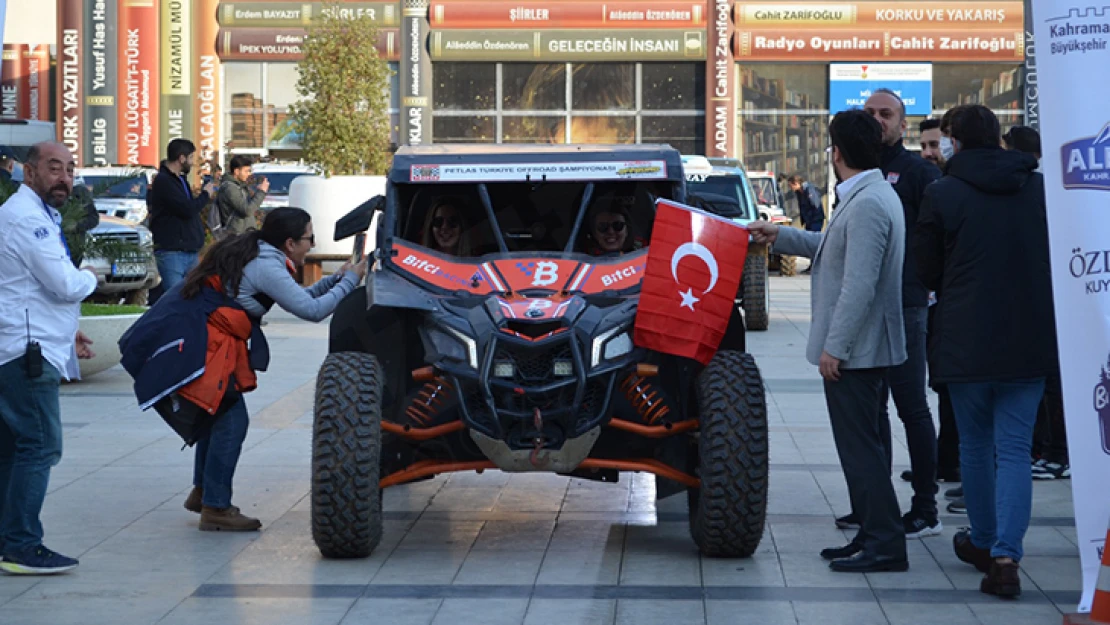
519,172
535,273
617,276
446,274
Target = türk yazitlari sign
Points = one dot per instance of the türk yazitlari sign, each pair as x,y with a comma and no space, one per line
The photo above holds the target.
542,14
294,14
285,44
878,31
568,45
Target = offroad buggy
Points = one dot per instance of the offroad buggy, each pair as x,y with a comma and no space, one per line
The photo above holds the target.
723,188
521,357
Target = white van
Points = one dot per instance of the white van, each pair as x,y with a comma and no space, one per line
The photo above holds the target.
18,135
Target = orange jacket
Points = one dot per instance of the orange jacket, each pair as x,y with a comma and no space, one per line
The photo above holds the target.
228,332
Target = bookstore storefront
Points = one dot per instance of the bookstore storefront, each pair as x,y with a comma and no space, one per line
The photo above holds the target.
757,81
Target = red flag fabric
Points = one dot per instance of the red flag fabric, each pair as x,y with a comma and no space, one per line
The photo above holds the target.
694,265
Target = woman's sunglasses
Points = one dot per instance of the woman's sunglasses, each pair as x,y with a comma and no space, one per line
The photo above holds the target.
603,226
450,222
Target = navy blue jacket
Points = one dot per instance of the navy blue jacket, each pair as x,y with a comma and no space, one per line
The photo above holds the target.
175,221
909,174
167,347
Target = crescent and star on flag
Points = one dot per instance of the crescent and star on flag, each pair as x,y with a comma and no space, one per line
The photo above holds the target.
693,248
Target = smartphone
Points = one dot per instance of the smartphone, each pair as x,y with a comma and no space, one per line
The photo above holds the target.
360,248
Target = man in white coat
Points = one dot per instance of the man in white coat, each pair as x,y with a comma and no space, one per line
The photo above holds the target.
40,301
857,332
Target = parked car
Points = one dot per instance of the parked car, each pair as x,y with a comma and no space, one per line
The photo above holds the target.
127,279
768,199
118,191
281,176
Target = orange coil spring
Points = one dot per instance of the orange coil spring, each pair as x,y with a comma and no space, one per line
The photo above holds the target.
646,400
428,401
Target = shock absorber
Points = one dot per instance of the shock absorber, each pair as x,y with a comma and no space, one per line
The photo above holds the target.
645,399
425,406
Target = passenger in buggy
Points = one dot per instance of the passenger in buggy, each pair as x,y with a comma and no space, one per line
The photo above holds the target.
610,229
444,229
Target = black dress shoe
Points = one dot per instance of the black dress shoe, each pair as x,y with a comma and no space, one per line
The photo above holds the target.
864,562
836,553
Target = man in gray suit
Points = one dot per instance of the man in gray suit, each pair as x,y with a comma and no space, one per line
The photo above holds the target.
857,333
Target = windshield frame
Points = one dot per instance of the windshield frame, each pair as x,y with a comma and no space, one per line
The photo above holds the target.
746,193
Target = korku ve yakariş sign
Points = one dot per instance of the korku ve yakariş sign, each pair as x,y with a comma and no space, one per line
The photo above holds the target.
856,31
285,44
542,14
294,14
568,45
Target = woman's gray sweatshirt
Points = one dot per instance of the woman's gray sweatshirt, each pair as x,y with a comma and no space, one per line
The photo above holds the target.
267,274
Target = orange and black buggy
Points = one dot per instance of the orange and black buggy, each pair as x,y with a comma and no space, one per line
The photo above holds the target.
495,333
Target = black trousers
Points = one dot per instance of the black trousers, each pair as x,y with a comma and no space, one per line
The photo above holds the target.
906,383
1050,436
861,430
948,441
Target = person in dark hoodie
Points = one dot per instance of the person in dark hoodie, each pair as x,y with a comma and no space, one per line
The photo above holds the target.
909,174
175,216
982,242
256,269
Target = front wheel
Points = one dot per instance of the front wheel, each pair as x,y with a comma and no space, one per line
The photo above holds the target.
346,456
728,512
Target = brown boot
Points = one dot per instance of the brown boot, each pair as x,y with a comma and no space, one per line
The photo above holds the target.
193,501
1002,581
226,520
968,552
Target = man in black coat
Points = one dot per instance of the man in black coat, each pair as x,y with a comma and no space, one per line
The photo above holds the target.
909,175
982,242
175,216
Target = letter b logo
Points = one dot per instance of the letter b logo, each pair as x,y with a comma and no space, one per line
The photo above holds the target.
547,273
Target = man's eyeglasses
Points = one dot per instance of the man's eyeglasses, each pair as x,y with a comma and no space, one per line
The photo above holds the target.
603,226
450,222
310,238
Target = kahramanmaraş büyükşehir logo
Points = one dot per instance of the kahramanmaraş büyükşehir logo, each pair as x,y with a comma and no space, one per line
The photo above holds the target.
1086,162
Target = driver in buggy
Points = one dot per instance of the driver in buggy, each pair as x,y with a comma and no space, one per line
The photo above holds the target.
444,228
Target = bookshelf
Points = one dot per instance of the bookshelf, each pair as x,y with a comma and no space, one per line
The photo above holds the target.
781,129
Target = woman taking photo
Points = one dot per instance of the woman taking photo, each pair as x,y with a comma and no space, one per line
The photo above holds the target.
257,270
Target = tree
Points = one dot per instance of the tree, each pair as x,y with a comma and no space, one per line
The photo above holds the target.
342,112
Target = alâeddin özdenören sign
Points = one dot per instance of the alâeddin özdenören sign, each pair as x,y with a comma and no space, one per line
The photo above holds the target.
568,45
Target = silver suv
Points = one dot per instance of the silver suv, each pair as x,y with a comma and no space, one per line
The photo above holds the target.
127,279
118,191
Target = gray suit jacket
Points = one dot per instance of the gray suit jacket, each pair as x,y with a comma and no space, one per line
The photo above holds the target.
856,297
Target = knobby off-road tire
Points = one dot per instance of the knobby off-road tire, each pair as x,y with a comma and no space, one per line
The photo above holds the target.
728,512
346,456
788,266
757,297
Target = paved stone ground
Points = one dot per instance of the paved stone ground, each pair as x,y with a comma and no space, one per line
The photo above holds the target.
493,548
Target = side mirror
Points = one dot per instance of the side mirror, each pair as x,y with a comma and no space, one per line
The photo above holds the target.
358,220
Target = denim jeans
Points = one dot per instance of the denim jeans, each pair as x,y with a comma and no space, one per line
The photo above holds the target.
30,444
173,267
906,383
996,420
218,455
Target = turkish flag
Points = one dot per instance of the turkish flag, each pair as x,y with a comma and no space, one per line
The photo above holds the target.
694,264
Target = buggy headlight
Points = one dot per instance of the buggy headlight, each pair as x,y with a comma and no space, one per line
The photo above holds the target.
455,345
610,344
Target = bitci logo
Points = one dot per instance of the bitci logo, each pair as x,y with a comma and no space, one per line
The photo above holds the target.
1087,162
1102,405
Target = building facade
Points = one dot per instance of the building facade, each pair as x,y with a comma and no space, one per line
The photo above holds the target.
756,81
